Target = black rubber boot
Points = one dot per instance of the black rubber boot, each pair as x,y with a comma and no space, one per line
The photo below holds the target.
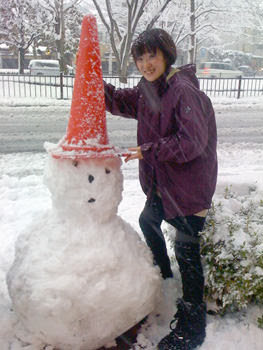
189,331
190,266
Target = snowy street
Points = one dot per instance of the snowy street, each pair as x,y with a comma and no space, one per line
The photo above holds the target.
24,128
23,197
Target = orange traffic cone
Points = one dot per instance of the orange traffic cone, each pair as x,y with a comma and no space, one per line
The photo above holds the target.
86,135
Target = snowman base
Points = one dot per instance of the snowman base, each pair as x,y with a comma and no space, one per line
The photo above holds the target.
81,278
127,339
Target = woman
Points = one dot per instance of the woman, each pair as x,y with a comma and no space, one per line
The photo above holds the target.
176,138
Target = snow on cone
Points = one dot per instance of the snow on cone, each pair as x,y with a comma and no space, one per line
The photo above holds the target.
86,135
81,275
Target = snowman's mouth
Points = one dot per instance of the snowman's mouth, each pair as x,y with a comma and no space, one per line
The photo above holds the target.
91,200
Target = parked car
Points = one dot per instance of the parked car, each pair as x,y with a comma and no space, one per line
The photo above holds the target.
247,70
46,67
217,70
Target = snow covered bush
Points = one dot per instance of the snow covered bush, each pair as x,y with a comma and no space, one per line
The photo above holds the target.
232,250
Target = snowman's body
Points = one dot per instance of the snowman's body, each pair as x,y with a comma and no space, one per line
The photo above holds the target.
81,275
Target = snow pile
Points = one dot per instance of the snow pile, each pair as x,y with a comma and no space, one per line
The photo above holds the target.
81,276
23,197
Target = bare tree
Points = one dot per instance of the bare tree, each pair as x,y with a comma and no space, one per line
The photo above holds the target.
255,9
238,22
121,19
191,22
21,24
62,11
200,20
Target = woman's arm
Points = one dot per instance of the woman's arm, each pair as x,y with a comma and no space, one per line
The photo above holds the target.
121,102
191,115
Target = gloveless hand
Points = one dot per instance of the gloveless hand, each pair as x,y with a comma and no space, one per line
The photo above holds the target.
136,155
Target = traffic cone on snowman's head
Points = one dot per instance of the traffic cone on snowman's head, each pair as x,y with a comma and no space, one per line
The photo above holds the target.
86,135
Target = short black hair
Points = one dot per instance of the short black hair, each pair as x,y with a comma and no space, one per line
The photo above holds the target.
152,39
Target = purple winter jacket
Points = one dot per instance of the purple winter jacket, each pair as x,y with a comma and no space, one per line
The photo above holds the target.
177,133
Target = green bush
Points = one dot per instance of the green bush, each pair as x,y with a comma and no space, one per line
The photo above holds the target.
232,251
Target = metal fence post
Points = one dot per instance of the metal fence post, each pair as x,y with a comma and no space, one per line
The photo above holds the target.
61,85
12,85
239,86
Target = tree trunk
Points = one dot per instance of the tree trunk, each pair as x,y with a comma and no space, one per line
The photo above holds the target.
122,73
62,62
192,40
34,50
125,60
21,60
60,31
123,76
110,62
61,55
123,79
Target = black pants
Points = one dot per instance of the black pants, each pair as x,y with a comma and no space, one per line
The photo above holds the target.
187,247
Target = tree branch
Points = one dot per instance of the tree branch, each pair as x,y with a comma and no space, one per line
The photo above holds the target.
48,7
208,11
179,34
74,3
138,16
32,38
184,37
156,17
112,21
101,16
198,29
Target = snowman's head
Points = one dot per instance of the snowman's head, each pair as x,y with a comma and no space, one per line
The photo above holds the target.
86,187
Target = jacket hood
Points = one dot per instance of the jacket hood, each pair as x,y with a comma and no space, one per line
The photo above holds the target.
187,72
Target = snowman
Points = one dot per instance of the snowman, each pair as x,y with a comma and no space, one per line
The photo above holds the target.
81,275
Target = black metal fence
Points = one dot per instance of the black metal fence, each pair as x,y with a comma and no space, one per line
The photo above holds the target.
61,87
25,85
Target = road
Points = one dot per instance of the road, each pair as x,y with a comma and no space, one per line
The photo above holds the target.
25,129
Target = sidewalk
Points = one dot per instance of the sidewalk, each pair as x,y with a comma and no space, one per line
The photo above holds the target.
218,102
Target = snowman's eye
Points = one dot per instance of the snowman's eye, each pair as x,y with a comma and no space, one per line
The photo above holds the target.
91,200
91,178
75,163
107,171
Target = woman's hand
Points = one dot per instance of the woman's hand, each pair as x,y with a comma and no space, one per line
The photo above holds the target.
136,155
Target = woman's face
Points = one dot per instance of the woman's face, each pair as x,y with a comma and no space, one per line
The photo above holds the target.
151,65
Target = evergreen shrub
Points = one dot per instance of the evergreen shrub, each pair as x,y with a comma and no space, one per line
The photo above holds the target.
232,251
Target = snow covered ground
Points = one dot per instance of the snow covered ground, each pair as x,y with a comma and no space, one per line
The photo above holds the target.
218,102
23,196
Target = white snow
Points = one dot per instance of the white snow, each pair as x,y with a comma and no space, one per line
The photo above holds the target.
24,198
221,103
79,268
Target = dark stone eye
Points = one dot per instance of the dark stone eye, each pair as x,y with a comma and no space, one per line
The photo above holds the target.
92,200
75,163
107,171
91,178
